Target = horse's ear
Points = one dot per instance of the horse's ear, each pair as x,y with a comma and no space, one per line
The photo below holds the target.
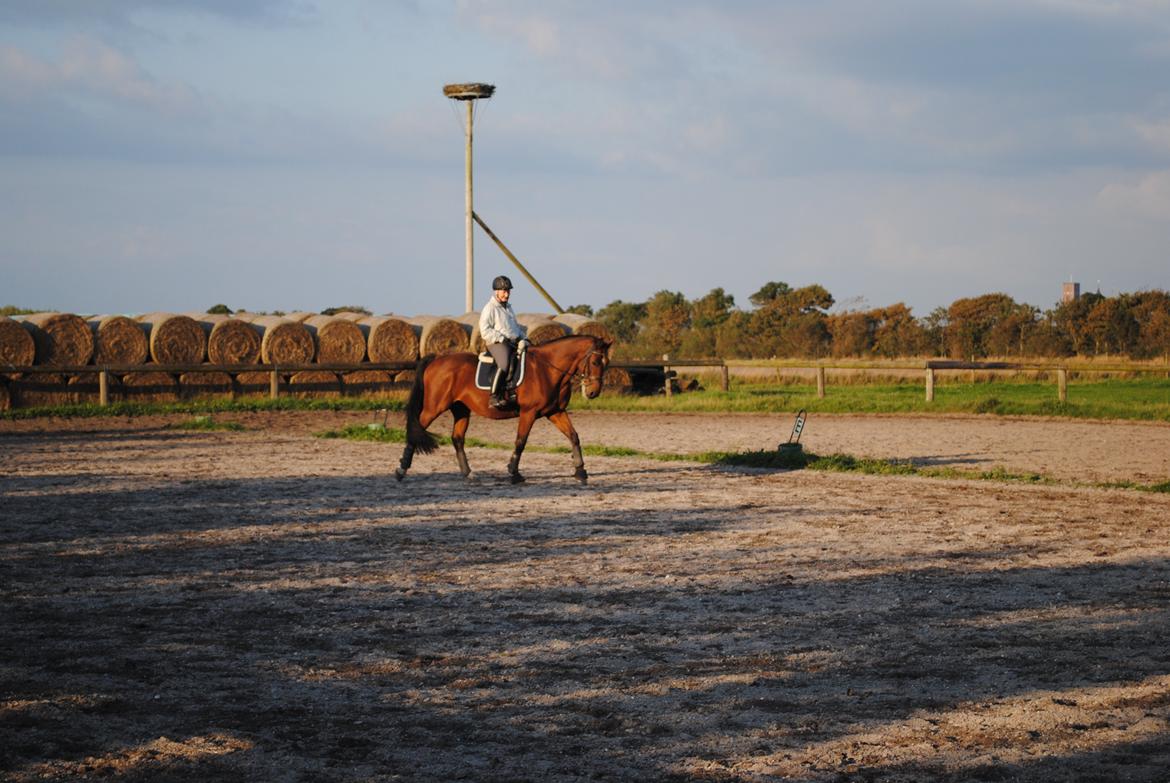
608,347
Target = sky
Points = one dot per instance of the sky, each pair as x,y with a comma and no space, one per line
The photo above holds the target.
169,155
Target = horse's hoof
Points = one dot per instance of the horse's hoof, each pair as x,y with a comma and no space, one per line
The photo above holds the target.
471,478
517,478
582,476
399,474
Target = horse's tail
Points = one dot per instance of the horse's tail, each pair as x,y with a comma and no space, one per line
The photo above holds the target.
416,434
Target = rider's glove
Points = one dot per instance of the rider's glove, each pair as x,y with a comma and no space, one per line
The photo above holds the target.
522,346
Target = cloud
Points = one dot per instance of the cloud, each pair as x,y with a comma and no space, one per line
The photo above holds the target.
88,67
1148,197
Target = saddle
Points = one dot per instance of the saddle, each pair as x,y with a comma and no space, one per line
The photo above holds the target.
485,371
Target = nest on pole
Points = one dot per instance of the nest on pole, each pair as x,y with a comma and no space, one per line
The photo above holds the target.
468,92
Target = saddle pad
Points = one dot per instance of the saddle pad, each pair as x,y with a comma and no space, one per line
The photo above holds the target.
485,371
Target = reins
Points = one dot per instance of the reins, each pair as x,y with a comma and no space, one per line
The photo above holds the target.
574,372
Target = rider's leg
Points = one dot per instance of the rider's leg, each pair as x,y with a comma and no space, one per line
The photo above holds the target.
502,353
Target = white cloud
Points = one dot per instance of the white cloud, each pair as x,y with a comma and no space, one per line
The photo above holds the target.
90,67
1148,197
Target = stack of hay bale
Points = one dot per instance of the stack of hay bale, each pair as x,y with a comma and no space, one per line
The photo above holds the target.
227,345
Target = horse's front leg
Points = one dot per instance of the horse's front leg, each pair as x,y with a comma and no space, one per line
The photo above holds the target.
524,427
404,463
561,422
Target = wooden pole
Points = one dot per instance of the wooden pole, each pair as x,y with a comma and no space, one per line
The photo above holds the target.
821,381
726,385
469,293
104,388
547,296
274,384
930,384
666,376
1062,385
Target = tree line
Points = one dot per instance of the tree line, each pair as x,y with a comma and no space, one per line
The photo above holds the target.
786,322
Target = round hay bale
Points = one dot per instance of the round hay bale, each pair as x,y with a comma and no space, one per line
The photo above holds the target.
118,340
5,397
406,376
389,339
174,338
475,341
339,341
61,338
300,316
205,384
232,341
149,386
253,382
35,390
314,383
284,341
86,387
580,324
541,329
352,315
364,382
617,379
439,335
17,347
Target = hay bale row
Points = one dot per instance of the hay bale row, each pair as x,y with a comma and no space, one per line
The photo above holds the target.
439,335
339,340
389,339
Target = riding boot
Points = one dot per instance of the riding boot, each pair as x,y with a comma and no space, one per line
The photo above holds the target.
495,400
510,384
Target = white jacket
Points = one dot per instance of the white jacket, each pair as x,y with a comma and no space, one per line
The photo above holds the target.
497,323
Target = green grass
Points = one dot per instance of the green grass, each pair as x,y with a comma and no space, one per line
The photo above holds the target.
1146,399
774,460
195,407
206,423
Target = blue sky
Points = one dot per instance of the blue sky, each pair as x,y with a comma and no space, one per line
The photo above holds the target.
297,154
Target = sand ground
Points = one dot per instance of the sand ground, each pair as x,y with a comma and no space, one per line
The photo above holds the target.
268,605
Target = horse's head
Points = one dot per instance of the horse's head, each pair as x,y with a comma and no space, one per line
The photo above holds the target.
592,367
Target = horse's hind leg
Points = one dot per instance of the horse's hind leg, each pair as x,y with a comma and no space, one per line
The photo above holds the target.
458,435
404,463
561,422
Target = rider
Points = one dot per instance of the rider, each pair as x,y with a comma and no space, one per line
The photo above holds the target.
503,335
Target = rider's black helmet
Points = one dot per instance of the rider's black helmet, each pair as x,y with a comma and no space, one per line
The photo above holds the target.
502,283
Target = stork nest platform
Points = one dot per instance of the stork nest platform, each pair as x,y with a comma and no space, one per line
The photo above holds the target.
468,92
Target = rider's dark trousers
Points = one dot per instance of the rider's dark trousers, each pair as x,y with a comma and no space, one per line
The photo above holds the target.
503,353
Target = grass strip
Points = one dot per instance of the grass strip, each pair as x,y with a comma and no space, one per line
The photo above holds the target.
206,423
766,459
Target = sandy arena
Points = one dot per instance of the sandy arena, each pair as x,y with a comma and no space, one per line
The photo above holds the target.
267,605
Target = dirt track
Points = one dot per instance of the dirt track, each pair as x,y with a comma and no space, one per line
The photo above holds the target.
268,605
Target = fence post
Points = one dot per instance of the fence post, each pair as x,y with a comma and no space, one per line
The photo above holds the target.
104,388
666,380
1062,385
821,381
274,385
727,386
930,384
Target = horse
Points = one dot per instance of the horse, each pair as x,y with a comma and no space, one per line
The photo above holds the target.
447,383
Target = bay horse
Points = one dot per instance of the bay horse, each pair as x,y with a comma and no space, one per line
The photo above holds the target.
447,383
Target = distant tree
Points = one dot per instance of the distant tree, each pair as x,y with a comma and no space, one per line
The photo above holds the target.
621,318
934,327
768,292
983,325
852,333
898,332
581,309
346,309
1151,311
14,310
1111,327
708,314
668,316
1070,317
219,309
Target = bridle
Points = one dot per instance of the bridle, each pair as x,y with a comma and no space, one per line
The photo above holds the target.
575,372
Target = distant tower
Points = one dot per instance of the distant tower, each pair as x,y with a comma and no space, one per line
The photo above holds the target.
1071,292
